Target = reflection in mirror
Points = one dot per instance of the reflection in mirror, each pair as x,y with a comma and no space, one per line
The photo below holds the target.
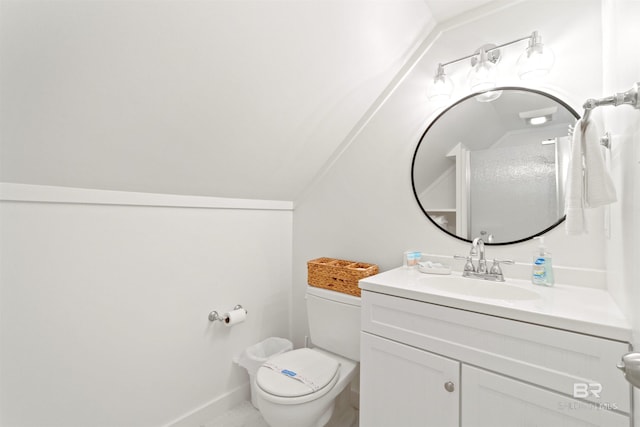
495,169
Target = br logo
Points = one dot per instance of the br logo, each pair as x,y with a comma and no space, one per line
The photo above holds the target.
583,390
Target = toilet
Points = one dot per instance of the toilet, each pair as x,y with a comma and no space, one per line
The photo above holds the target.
299,387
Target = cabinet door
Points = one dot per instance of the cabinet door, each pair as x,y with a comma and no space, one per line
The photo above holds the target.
491,400
404,386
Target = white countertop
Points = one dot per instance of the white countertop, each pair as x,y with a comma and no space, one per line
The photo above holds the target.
573,308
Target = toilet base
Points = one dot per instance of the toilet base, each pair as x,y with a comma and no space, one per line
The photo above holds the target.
324,419
296,415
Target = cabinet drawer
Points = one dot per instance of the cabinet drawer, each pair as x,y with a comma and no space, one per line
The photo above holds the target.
563,361
493,400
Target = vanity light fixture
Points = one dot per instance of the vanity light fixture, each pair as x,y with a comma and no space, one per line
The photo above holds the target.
483,76
534,62
441,87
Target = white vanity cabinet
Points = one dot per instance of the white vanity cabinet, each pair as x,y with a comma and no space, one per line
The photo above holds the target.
424,364
402,384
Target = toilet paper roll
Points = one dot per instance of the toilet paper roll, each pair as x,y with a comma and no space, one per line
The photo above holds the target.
234,317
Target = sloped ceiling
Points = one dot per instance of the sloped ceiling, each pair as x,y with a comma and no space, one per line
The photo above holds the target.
244,99
443,10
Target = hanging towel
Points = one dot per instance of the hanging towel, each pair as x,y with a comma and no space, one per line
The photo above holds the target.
588,182
599,188
574,208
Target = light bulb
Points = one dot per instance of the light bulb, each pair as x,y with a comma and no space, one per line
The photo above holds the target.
536,61
483,75
441,87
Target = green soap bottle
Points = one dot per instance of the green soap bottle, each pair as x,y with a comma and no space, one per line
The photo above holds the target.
542,267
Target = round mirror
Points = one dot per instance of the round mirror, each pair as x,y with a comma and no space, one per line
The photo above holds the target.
497,169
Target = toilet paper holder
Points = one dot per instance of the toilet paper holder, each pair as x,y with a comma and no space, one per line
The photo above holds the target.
215,316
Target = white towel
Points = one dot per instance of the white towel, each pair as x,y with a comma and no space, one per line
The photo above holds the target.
589,183
573,202
599,188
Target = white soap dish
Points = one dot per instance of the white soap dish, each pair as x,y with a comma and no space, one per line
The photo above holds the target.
430,267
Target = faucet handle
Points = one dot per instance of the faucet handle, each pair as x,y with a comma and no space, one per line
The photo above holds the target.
468,265
495,268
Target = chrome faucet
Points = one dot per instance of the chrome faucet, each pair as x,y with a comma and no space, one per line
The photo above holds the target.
477,248
481,272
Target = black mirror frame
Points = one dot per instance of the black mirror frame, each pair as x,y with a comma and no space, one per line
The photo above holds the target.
413,161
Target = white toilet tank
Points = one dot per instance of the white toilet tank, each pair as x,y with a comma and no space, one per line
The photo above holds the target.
334,321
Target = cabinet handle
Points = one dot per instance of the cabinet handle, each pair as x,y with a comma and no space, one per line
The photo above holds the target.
630,365
449,386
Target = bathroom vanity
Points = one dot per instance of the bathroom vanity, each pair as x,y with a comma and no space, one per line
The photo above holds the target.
451,351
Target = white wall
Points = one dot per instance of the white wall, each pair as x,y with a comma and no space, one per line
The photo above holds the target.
104,306
221,98
621,70
362,207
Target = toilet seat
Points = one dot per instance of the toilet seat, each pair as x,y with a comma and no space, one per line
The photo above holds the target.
298,376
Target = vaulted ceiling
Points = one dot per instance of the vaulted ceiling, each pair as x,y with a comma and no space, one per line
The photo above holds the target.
245,99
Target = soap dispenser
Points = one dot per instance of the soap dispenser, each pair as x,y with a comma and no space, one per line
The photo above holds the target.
542,268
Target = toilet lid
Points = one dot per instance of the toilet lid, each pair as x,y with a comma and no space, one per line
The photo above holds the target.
297,373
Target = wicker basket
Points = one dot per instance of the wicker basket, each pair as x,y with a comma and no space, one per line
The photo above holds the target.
339,275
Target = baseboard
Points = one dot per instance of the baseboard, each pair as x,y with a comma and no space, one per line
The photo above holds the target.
211,410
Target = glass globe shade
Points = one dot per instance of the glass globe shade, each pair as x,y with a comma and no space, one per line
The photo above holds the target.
488,96
440,89
535,62
484,75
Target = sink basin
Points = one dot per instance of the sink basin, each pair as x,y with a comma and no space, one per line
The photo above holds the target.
478,288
